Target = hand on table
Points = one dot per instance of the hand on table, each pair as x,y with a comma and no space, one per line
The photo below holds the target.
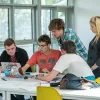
40,76
21,71
44,70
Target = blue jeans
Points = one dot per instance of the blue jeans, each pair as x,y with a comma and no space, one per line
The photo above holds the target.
74,82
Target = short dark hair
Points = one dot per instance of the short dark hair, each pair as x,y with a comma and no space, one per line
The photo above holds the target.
56,24
69,46
9,42
44,38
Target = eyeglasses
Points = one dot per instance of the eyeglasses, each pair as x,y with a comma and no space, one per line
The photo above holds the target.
42,45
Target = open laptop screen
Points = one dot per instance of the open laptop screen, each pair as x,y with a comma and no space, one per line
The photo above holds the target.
9,65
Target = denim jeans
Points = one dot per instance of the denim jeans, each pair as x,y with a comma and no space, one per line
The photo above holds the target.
73,82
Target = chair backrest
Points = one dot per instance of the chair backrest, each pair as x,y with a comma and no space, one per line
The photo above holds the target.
47,93
98,80
33,68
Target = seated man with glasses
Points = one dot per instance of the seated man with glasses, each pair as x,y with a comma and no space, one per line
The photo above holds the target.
45,57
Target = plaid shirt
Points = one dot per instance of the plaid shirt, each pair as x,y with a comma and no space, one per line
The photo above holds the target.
70,34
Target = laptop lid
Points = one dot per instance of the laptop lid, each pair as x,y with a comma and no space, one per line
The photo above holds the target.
9,65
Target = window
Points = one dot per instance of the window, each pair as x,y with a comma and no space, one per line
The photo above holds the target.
4,1
23,1
28,48
54,2
61,15
22,24
25,20
45,20
3,24
1,50
35,47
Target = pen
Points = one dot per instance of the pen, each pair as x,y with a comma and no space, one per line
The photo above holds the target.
4,79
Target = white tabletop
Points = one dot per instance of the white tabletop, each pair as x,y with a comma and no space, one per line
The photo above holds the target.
90,94
28,86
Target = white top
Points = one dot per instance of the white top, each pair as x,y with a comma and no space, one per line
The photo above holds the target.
73,64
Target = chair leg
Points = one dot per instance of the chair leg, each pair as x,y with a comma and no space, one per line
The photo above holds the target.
31,98
34,97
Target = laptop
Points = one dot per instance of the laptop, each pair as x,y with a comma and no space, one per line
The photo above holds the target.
9,65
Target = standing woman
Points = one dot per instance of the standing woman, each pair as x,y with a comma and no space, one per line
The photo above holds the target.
94,46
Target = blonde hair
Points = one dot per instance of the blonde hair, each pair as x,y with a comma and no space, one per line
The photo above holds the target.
96,21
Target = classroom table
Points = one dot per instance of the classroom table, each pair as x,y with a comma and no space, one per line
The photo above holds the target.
3,94
28,87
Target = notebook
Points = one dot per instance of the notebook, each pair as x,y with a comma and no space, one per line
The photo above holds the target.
9,65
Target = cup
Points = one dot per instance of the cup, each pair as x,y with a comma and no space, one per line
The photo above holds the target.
7,73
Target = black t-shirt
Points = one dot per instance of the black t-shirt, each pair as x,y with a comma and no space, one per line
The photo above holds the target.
21,57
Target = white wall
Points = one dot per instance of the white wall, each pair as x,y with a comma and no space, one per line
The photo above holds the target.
84,10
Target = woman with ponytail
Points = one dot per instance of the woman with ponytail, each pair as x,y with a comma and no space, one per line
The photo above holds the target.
94,47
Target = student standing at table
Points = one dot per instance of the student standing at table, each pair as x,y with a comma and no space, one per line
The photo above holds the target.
94,47
12,53
57,27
